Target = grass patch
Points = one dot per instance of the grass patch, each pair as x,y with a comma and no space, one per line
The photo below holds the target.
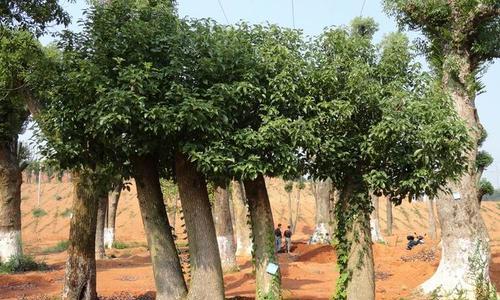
60,247
22,263
120,245
38,212
67,213
498,205
57,197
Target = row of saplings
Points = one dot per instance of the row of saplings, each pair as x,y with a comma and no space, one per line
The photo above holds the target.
141,93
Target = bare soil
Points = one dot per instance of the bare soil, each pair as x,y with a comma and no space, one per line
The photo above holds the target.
309,272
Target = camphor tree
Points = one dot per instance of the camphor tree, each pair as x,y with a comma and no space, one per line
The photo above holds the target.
262,105
20,23
461,38
112,80
380,125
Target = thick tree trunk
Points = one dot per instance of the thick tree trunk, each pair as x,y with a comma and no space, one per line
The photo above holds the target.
465,252
206,271
432,218
224,228
10,203
356,244
100,252
169,280
80,276
109,230
321,192
374,221
242,221
268,286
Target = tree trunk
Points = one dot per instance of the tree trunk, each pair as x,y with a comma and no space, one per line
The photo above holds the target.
374,221
102,208
321,192
80,276
268,286
465,252
290,215
389,216
297,211
206,271
354,251
169,280
109,230
242,222
224,228
10,202
334,199
432,217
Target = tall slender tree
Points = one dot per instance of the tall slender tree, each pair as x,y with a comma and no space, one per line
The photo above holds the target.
461,38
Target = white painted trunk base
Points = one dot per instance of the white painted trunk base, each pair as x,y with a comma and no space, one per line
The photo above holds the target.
10,245
109,237
321,234
227,252
375,231
457,269
243,246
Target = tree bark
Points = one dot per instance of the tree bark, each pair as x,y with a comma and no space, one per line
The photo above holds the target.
268,286
206,271
290,210
169,280
374,221
389,216
100,252
10,202
432,218
109,230
80,276
353,215
334,199
465,252
321,192
242,222
224,228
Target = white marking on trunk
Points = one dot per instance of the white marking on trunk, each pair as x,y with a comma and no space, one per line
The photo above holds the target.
226,248
321,234
457,270
375,231
10,244
243,246
109,237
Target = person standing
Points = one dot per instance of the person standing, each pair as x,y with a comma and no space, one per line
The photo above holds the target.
277,238
288,239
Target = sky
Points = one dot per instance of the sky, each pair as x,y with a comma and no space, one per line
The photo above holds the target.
312,16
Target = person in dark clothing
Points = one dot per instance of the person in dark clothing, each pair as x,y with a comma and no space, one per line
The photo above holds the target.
288,239
277,238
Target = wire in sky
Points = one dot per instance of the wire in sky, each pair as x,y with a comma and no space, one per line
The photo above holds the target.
293,14
362,8
223,11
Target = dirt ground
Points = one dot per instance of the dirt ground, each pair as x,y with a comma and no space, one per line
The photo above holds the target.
308,273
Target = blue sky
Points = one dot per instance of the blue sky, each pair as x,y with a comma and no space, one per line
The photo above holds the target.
312,16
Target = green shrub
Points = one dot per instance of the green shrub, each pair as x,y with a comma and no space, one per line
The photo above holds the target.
38,212
22,263
60,247
120,245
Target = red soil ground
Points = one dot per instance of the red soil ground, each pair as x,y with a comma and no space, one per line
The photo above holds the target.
308,273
